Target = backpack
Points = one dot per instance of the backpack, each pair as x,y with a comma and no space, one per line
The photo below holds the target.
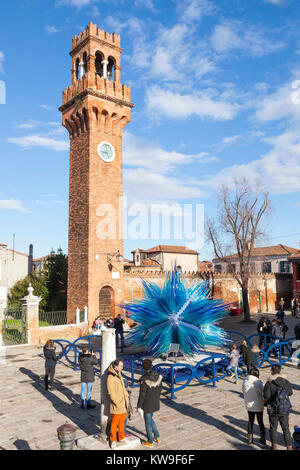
281,403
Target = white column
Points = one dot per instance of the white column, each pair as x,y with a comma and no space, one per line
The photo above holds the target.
105,64
85,314
81,69
108,355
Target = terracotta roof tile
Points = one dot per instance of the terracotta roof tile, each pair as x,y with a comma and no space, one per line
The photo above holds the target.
276,250
170,249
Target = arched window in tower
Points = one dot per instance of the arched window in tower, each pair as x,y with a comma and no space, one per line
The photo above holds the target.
77,69
111,68
98,64
84,62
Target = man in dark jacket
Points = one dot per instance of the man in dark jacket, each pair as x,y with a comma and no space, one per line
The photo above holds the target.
118,325
278,412
149,401
86,362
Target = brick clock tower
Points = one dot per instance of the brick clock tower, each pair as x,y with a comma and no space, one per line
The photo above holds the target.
95,110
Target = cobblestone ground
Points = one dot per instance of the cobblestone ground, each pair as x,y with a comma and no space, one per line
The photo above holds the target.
202,417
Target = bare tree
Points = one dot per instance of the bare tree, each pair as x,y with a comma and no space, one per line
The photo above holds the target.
241,209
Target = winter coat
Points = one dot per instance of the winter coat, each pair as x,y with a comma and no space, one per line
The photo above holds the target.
283,329
253,394
234,358
275,331
255,359
86,363
274,382
118,324
119,399
246,354
150,390
50,357
280,315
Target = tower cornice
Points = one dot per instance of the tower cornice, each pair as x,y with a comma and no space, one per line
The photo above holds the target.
96,94
100,42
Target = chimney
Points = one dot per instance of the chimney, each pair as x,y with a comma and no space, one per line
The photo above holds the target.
30,260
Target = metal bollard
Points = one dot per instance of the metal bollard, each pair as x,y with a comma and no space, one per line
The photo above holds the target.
66,436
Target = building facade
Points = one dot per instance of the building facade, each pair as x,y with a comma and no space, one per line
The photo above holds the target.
14,266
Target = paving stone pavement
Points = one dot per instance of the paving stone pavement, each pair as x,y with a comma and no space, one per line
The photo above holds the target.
201,417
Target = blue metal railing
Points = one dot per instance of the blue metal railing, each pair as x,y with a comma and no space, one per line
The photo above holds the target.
208,371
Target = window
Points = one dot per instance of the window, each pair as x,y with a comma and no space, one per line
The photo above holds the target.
266,267
218,268
231,268
284,267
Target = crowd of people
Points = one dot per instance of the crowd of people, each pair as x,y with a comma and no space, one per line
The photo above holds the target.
274,394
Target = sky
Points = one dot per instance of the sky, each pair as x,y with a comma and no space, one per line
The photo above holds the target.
216,88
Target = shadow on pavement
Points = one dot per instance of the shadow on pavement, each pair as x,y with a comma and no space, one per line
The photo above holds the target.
81,418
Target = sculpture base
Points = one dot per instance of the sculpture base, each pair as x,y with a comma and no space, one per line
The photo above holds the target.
94,443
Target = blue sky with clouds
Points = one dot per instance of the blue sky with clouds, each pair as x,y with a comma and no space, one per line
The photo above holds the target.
215,90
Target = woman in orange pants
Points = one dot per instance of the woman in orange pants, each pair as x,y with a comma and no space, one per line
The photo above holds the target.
119,402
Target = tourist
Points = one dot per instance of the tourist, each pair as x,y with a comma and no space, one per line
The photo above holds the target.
246,354
234,361
87,360
149,401
254,402
281,304
276,333
276,394
263,328
280,315
50,363
119,327
256,359
119,402
283,330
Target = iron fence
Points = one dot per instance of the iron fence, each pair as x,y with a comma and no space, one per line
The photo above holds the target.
13,326
53,318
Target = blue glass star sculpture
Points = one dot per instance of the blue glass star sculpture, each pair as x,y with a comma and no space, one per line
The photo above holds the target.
176,313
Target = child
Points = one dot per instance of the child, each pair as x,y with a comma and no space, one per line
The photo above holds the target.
50,363
234,361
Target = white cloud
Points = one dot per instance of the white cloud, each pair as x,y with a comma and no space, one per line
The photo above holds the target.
280,104
194,10
38,141
51,29
12,205
144,185
145,4
75,3
148,154
234,35
278,169
275,2
202,104
47,107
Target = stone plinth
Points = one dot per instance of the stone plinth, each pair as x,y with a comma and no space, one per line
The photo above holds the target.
94,443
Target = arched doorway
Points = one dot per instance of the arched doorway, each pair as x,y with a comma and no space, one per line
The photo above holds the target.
106,302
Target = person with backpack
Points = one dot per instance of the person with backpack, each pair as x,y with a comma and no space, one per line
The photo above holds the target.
283,329
149,401
277,391
119,327
254,403
87,360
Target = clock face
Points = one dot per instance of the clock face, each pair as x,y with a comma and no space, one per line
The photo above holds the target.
106,151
